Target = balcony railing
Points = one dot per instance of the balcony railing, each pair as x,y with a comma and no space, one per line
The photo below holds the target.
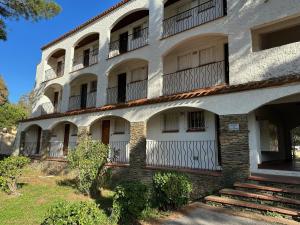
53,73
57,148
193,17
49,108
203,76
183,154
84,61
136,90
119,152
132,42
75,101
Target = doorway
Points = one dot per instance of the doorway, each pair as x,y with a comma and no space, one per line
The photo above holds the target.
123,43
122,88
86,58
83,96
105,131
38,141
55,102
66,139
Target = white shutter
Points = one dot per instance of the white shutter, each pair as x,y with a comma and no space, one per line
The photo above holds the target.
119,126
171,122
207,56
184,61
139,74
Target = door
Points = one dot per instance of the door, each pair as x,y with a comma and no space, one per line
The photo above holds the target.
59,69
105,131
38,141
122,88
86,58
217,120
66,139
123,43
83,96
226,59
55,102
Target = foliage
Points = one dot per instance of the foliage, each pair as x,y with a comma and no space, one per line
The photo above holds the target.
130,199
81,213
33,10
171,190
10,171
26,101
3,87
88,159
10,114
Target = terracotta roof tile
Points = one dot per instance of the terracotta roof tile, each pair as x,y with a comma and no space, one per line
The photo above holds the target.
123,2
216,90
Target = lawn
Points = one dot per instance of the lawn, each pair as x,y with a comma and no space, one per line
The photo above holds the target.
38,193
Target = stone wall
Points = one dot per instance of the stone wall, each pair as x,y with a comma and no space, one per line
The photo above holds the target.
7,140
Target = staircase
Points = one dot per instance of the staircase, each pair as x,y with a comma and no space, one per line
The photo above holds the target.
268,195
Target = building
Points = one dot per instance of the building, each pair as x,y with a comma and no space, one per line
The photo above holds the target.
207,87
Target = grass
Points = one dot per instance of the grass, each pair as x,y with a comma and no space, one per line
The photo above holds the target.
38,193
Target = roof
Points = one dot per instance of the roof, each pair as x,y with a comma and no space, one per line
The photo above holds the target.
123,2
216,90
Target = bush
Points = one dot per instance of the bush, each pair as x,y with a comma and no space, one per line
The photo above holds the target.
88,159
10,171
80,213
130,199
171,190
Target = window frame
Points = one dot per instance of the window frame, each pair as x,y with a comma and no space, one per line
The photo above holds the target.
165,130
196,129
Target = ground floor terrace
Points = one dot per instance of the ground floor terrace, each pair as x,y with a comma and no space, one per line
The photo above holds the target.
209,133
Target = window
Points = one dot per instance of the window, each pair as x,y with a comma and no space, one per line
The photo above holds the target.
268,136
171,122
184,61
137,32
139,74
282,33
207,56
119,126
196,121
93,86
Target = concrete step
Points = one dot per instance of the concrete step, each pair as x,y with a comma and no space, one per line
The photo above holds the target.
267,188
232,192
254,206
275,179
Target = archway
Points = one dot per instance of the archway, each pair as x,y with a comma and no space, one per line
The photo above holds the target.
32,141
128,81
55,65
129,33
183,138
54,93
115,132
63,139
198,62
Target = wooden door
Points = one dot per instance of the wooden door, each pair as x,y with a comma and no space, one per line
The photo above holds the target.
122,88
105,131
38,141
86,58
66,139
83,96
123,43
55,102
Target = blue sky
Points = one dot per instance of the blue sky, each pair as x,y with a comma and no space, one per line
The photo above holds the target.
20,54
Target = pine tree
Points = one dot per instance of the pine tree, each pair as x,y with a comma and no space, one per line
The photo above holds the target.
3,92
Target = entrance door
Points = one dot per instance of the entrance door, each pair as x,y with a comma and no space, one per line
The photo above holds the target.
55,102
86,58
123,43
122,88
83,96
66,139
105,131
38,141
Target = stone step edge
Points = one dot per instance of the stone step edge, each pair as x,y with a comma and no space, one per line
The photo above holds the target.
244,204
266,188
274,179
245,194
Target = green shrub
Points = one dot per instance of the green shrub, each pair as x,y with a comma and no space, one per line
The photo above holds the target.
10,171
130,199
88,159
80,213
171,190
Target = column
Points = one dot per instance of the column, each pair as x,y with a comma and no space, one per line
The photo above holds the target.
234,144
45,145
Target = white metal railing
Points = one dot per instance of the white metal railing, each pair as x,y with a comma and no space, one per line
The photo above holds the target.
53,73
83,61
57,148
119,152
91,99
112,95
137,90
75,101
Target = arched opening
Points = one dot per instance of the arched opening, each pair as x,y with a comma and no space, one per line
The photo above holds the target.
182,15
128,81
183,138
198,62
86,52
277,131
55,66
114,132
83,92
129,33
32,142
54,94
63,139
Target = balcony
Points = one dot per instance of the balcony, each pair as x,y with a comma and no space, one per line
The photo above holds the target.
119,152
49,108
55,66
129,43
86,60
53,73
81,102
203,76
192,17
